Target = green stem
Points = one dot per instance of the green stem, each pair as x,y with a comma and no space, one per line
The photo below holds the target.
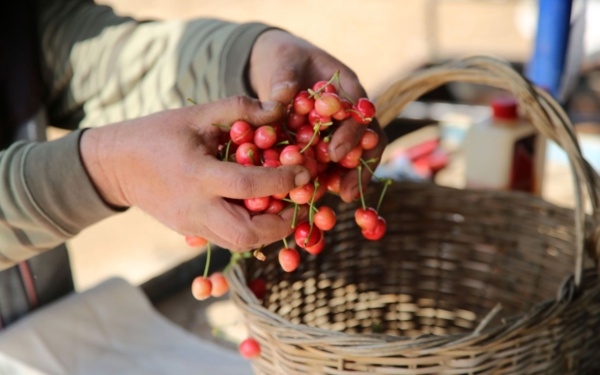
285,244
315,132
206,266
311,213
360,188
191,101
295,215
388,182
227,150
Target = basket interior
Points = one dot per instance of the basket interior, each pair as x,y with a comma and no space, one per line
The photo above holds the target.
448,258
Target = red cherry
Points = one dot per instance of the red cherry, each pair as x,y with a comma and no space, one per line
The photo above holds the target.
247,154
322,151
201,288
377,232
295,121
220,286
306,236
258,287
369,139
366,218
314,118
316,248
327,104
249,348
302,194
289,259
275,206
265,137
303,103
306,134
271,163
352,158
324,218
270,154
195,241
343,113
258,204
363,111
290,155
325,86
241,132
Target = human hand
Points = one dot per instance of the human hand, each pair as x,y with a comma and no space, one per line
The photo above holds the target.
282,64
166,165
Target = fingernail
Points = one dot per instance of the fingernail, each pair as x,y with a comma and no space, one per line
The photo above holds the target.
269,106
302,177
280,86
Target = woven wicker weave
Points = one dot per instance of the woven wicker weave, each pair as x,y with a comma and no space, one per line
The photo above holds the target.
464,282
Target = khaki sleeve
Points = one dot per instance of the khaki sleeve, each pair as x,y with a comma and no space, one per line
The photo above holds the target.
104,68
46,197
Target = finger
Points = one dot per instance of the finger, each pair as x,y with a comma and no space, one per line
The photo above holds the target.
232,180
284,83
235,229
234,108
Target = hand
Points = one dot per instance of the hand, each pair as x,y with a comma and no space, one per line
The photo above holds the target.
282,64
165,164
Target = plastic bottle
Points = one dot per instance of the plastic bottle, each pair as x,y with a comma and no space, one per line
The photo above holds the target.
504,152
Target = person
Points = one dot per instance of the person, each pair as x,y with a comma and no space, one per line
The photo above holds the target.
122,86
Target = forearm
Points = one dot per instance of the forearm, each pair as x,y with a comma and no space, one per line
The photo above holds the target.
46,197
104,68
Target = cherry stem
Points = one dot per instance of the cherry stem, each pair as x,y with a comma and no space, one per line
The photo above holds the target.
207,264
192,101
311,213
285,244
360,188
388,182
315,132
334,78
227,150
222,126
339,83
295,215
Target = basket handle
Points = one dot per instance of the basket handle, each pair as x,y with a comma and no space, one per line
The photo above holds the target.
544,112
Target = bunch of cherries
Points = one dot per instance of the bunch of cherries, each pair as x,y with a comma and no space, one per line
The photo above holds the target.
302,138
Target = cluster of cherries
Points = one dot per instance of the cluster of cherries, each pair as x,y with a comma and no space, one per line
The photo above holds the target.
302,138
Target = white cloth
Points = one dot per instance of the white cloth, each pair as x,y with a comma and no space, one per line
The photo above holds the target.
109,329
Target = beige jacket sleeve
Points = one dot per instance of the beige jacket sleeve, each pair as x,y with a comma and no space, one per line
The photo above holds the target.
101,68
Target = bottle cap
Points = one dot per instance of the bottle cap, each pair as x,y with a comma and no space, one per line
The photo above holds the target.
504,108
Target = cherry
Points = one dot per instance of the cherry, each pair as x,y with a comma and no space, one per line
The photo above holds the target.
241,132
316,248
334,181
306,236
290,155
352,158
314,118
327,104
258,204
195,241
289,259
295,121
271,163
369,139
324,218
265,137
324,86
249,348
275,206
247,154
303,103
306,134
343,113
377,232
302,194
220,286
363,111
322,151
366,219
270,154
201,288
258,287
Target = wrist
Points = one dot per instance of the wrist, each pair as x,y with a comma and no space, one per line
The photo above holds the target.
97,156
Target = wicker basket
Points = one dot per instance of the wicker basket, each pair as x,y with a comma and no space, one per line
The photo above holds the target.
464,282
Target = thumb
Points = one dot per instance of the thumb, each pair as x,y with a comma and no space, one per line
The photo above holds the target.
284,85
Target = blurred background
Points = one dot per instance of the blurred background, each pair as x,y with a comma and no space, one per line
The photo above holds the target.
381,40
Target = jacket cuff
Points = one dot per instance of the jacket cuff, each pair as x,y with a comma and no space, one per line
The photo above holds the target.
236,55
60,187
